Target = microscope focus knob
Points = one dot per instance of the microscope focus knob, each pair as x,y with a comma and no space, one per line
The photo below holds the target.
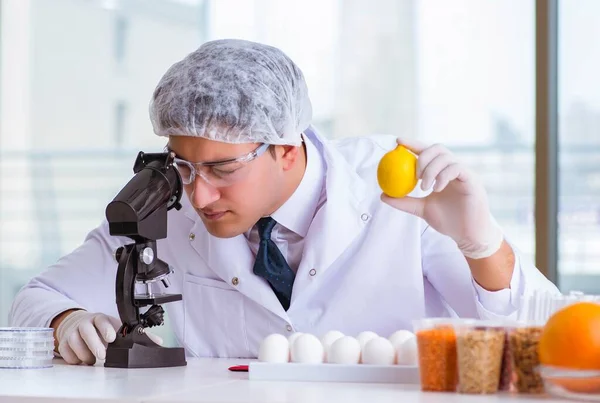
147,255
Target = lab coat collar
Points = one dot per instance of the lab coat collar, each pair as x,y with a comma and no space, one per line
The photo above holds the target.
297,213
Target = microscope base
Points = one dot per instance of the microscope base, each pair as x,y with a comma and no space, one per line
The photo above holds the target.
139,356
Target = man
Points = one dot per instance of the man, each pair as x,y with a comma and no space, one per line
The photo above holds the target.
284,231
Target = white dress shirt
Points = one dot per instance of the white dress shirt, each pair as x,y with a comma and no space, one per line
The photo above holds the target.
296,214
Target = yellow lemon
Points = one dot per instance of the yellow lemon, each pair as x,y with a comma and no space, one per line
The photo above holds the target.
397,172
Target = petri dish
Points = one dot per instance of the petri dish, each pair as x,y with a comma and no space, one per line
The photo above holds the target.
26,347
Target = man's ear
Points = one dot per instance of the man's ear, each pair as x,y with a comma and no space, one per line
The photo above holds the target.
289,155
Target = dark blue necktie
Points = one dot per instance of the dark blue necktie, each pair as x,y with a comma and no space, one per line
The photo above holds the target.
271,265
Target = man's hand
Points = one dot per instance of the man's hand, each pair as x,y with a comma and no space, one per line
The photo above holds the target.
458,206
83,336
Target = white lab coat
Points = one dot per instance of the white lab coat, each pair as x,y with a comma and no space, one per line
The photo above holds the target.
375,268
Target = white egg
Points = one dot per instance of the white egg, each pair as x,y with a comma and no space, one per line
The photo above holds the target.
293,338
345,350
307,349
364,337
328,339
274,348
378,351
399,337
407,352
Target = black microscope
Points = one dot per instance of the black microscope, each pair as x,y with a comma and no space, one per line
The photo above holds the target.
139,211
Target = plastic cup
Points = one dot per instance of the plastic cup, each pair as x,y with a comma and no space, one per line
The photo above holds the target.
480,350
524,341
436,344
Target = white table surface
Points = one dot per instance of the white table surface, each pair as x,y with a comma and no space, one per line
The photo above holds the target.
204,380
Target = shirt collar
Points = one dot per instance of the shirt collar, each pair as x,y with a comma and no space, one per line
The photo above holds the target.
297,213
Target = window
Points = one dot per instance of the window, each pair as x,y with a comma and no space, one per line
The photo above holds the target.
461,73
475,93
579,146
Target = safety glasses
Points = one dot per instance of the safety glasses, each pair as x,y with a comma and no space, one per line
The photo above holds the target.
219,173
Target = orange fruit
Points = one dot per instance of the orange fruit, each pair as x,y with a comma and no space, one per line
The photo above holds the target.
397,172
571,337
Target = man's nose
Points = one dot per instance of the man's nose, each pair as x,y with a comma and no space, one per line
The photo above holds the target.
203,193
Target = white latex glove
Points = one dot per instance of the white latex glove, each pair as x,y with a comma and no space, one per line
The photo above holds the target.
458,206
83,336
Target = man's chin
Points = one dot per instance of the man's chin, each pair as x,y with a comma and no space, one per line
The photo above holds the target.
221,230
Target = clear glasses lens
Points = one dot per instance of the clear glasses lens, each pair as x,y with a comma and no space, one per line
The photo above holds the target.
185,170
218,175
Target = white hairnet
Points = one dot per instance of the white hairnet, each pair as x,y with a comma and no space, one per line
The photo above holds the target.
233,91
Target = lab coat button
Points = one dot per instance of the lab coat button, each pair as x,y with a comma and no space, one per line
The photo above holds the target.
364,217
235,281
288,328
192,236
312,272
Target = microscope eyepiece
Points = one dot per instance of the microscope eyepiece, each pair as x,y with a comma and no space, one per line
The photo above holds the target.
139,209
